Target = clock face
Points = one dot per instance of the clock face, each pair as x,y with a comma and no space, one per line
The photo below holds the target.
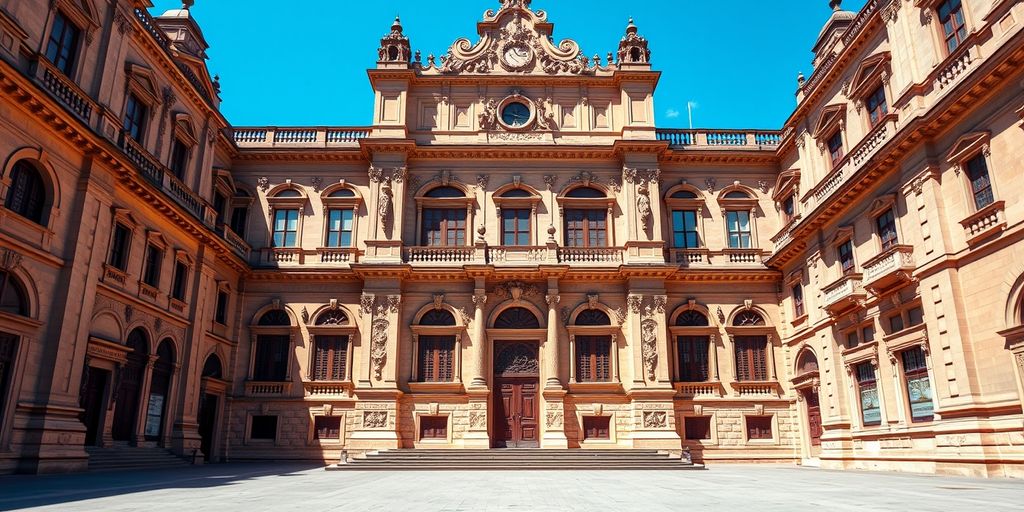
515,114
518,56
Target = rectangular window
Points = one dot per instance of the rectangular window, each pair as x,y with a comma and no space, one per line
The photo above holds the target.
886,223
327,428
852,339
835,148
179,159
62,47
180,281
135,114
981,186
221,314
919,389
154,259
286,228
239,216
846,262
738,223
271,358
684,229
263,428
869,334
436,359
759,428
867,389
515,227
7,343
593,359
798,301
698,428
895,323
954,30
330,358
444,227
434,427
789,208
751,358
693,358
586,228
915,316
596,427
339,228
119,247
220,204
877,106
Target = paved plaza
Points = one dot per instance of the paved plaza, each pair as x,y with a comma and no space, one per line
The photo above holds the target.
277,487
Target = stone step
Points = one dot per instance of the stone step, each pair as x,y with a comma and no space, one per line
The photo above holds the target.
119,458
515,459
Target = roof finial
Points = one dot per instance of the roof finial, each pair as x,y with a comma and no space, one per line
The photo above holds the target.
835,4
186,4
397,25
631,27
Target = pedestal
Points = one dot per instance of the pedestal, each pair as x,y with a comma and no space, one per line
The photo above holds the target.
477,435
554,420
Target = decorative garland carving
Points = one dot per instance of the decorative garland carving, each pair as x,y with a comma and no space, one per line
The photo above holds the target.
379,346
649,346
375,419
643,205
516,290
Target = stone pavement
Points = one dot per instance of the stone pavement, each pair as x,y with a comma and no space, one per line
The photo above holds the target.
289,486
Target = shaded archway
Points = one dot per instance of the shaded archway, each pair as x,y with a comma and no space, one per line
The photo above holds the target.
213,388
129,388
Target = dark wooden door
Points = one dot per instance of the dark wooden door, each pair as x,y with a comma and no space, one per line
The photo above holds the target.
516,411
207,424
92,403
129,393
813,417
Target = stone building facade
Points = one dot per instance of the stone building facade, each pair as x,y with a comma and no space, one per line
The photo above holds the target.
513,254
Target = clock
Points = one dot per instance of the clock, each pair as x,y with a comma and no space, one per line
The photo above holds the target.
515,114
517,57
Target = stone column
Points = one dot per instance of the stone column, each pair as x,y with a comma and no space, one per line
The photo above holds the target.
479,365
141,415
552,361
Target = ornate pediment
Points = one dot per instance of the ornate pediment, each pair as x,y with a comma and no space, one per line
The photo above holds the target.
516,39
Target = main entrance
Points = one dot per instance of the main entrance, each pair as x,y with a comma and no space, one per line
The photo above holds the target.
516,408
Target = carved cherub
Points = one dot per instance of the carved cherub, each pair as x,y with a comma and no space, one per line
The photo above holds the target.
489,117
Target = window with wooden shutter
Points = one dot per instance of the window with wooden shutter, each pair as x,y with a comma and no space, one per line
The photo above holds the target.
433,427
698,428
693,358
751,358
759,428
271,360
436,359
596,427
327,428
330,358
593,359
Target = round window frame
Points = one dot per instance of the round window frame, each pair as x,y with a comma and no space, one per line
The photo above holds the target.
525,102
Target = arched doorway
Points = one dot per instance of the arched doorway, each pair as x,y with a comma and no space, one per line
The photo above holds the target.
806,383
159,391
129,389
209,404
516,380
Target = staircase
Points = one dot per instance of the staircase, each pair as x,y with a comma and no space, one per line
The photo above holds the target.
126,458
517,459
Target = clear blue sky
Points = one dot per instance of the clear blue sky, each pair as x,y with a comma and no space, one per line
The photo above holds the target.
284,65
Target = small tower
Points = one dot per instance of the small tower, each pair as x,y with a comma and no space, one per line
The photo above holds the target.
633,51
394,51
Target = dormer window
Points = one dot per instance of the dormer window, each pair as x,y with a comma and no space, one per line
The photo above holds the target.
62,47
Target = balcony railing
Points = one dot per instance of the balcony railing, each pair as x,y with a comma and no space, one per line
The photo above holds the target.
158,175
756,389
590,255
517,254
985,222
299,136
327,389
256,388
63,89
441,255
237,243
723,139
891,267
690,256
699,389
844,293
743,256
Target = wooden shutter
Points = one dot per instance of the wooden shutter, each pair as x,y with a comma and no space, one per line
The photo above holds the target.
751,358
436,359
596,427
594,359
331,358
327,428
693,358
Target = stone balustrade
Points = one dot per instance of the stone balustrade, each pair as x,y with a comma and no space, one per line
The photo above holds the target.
338,254
721,139
590,255
885,270
958,65
743,256
690,256
844,293
306,137
65,90
699,389
441,255
257,388
755,389
327,389
985,222
517,254
161,177
237,243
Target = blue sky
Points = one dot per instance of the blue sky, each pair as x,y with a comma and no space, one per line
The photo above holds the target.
280,65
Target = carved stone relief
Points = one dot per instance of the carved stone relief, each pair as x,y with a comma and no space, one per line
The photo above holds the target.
655,419
379,346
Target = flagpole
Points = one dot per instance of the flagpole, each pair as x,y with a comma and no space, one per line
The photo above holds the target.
689,112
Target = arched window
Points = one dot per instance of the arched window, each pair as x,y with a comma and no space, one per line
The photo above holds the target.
517,318
159,390
27,195
694,350
273,342
806,363
340,207
737,194
288,193
330,334
129,391
212,368
593,317
684,194
587,212
748,319
516,193
751,350
436,344
334,317
517,213
12,296
275,318
444,215
342,192
585,193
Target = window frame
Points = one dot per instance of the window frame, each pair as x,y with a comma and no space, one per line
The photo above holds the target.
257,333
125,251
348,331
453,332
84,21
598,333
974,146
36,208
465,202
923,371
698,205
180,288
351,203
587,233
137,112
960,33
529,203
862,383
605,204
710,332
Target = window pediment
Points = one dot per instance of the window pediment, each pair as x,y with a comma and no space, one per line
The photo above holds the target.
873,71
156,238
341,196
730,198
506,197
124,216
843,233
81,13
787,183
184,129
677,198
832,118
143,82
883,203
967,146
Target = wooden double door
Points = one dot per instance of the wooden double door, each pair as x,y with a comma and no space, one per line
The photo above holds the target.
516,407
813,417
